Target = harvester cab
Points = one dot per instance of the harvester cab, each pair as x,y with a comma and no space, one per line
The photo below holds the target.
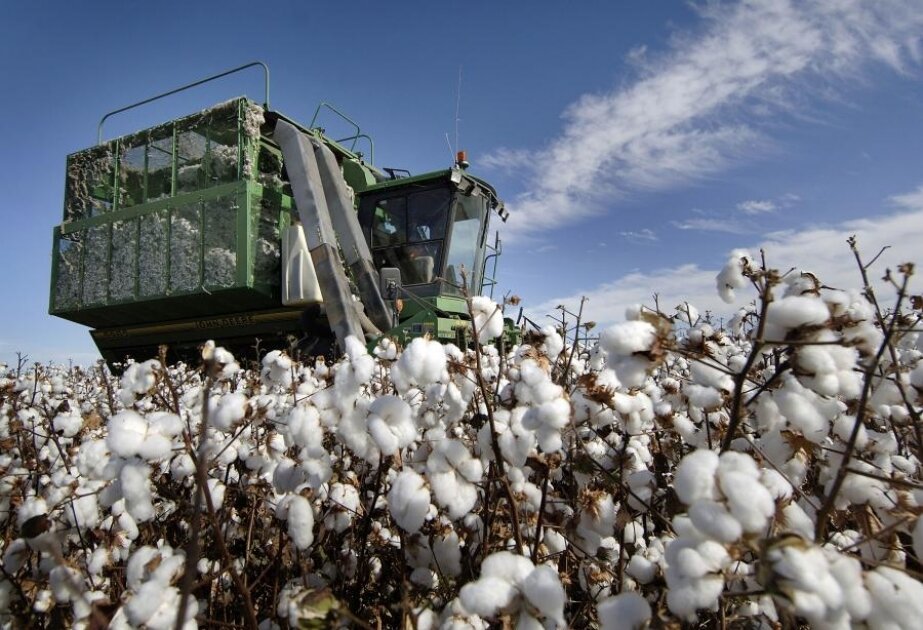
240,225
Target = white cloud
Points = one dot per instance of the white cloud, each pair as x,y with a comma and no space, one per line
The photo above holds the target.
711,225
753,206
696,108
909,200
821,250
642,235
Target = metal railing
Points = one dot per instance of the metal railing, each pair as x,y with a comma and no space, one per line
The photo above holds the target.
99,129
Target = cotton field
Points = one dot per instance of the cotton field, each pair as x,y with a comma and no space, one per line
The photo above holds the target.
759,472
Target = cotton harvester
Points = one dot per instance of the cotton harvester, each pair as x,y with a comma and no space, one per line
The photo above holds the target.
238,224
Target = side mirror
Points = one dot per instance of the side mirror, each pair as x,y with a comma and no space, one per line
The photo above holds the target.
390,283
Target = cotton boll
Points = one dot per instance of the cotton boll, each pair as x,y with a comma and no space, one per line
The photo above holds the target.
43,601
695,476
93,459
216,489
803,573
128,525
542,589
386,350
689,596
452,472
155,447
66,583
138,570
488,318
631,371
627,338
832,368
552,344
352,430
547,420
487,595
641,569
801,413
277,369
705,398
626,611
304,429
710,376
136,488
182,467
167,424
390,424
83,511
422,363
505,579
409,500
843,427
344,505
731,275
598,516
153,606
778,486
127,432
750,503
714,520
300,520
67,424
223,359
447,554
642,484
138,379
507,565
897,599
227,411
693,572
796,311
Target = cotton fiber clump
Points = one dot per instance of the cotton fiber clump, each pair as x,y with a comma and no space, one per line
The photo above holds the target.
488,318
152,600
130,435
628,346
422,363
626,611
513,584
732,276
453,473
408,500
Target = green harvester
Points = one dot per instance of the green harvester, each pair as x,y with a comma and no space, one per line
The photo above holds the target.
240,225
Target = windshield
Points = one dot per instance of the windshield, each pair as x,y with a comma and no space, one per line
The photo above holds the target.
465,246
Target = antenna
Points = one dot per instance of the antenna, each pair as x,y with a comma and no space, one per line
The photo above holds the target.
448,143
458,104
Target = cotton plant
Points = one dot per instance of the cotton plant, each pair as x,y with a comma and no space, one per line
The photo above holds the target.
679,469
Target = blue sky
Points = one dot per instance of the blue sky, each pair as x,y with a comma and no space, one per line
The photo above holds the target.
636,143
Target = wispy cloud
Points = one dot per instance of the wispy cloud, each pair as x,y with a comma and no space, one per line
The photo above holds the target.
699,106
821,250
909,200
728,226
641,236
753,206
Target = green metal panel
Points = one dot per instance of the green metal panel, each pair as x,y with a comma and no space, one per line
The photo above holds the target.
206,242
